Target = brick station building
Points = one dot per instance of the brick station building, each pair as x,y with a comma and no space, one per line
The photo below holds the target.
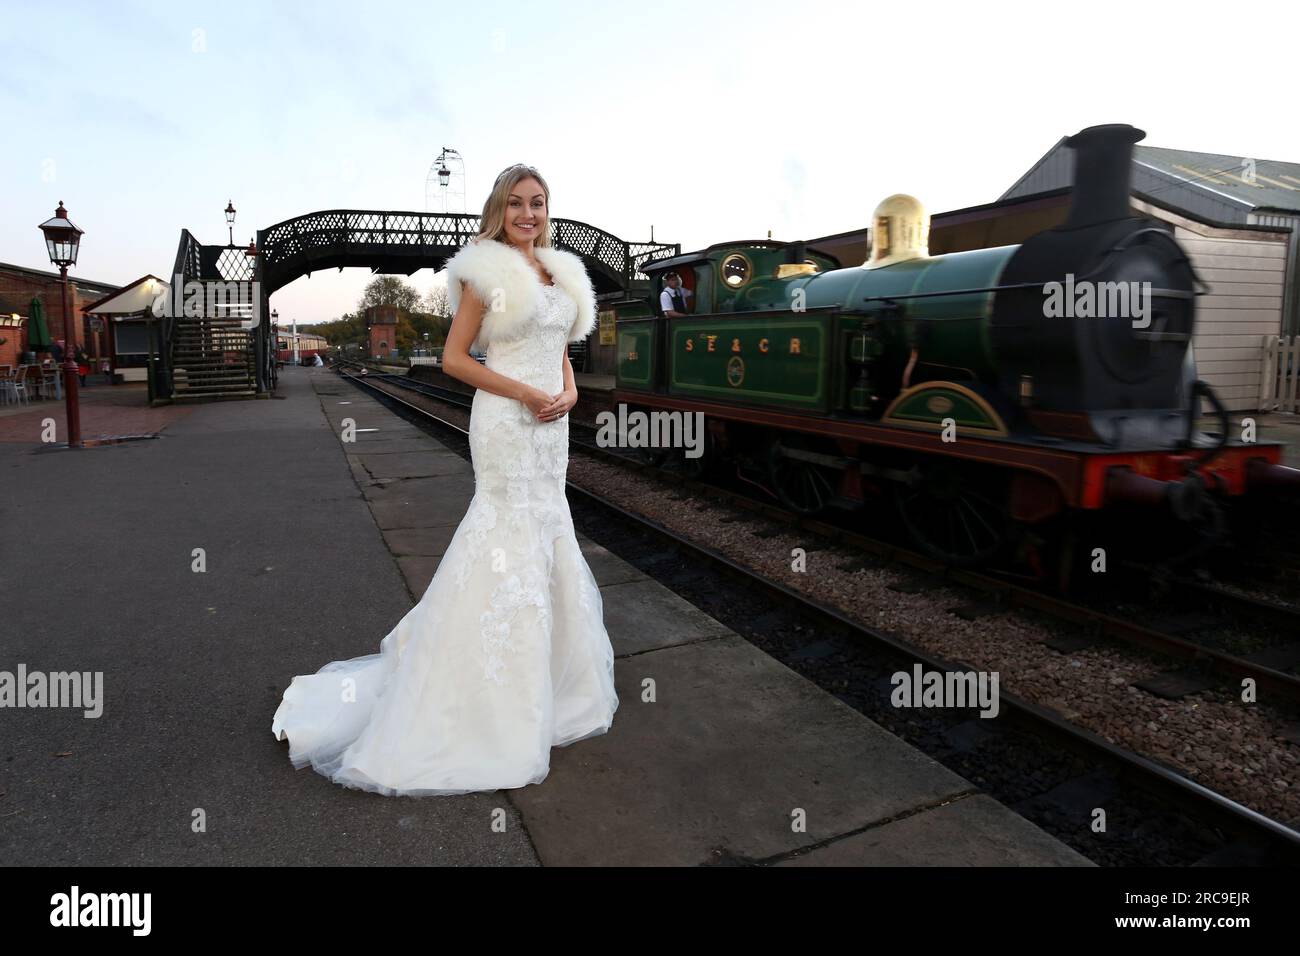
19,285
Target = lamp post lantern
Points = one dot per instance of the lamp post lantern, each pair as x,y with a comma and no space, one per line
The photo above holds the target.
230,221
63,242
444,187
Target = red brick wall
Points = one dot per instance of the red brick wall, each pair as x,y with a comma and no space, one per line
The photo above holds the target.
16,292
382,320
9,350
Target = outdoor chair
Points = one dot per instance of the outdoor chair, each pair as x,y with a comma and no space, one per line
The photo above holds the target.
51,381
15,386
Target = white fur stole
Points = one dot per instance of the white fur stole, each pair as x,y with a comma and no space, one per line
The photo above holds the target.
512,290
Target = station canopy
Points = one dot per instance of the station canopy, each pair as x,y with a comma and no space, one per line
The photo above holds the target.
130,300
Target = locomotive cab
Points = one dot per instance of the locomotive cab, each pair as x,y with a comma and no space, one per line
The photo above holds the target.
737,287
743,276
695,282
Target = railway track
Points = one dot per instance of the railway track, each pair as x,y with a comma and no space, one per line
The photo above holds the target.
1185,639
1267,840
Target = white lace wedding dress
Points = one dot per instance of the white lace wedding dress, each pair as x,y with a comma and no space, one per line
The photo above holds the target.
506,654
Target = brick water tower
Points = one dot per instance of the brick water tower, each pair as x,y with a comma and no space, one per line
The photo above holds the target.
381,326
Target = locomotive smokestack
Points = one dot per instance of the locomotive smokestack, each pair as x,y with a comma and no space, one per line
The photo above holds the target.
1103,173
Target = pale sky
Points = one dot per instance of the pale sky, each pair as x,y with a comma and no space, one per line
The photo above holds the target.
712,121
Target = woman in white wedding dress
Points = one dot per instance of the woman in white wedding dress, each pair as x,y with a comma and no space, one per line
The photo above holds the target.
506,654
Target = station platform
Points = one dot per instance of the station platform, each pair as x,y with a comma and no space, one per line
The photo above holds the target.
106,411
314,549
593,382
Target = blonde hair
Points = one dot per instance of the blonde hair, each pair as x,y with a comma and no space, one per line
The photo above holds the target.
493,222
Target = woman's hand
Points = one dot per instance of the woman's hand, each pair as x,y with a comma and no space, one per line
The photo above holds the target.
536,400
557,406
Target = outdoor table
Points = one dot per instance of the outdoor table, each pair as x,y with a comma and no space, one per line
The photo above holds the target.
36,379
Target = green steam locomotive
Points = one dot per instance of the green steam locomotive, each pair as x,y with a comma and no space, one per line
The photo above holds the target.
987,392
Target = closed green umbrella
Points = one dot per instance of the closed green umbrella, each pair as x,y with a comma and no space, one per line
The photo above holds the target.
38,335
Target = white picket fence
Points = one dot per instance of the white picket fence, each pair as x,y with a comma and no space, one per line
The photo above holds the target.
1279,383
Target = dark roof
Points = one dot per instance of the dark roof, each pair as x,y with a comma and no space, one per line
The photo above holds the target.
102,287
1205,186
686,258
656,265
1276,184
944,218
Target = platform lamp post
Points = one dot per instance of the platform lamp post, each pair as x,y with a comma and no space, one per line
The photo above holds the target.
63,241
230,221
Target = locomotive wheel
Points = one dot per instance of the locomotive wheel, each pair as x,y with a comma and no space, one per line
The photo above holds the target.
802,486
955,515
692,469
654,457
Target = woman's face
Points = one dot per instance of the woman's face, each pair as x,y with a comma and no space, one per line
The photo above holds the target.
526,215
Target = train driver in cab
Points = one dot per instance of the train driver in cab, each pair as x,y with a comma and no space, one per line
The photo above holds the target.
673,299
